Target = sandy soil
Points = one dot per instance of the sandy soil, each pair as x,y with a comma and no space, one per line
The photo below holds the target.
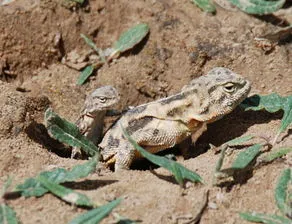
184,43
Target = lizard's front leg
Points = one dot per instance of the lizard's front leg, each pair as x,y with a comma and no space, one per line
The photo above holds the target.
124,157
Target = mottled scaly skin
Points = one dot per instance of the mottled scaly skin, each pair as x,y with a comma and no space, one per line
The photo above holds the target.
161,124
91,119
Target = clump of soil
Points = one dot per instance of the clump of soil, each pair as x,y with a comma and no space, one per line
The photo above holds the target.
184,43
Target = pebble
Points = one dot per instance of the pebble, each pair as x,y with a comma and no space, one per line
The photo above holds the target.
212,205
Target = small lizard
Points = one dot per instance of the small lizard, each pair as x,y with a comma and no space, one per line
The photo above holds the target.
164,123
91,119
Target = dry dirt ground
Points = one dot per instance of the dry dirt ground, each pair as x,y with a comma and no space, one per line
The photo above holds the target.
183,43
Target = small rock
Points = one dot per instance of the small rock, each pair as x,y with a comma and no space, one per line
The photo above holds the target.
212,205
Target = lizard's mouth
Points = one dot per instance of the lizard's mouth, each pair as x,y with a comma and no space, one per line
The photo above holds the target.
244,91
90,114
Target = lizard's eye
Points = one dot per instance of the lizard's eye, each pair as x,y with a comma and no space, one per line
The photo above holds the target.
229,87
102,99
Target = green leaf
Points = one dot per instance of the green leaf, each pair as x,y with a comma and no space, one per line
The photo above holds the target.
276,153
239,140
221,158
287,118
97,214
81,171
242,160
85,74
180,172
78,1
271,103
281,192
91,44
64,193
123,220
258,7
131,37
32,187
233,142
68,133
263,218
205,5
245,157
7,215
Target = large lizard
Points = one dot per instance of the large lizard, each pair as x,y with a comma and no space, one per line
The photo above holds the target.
91,118
164,123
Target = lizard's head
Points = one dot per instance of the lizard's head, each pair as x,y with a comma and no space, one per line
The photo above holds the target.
222,90
102,98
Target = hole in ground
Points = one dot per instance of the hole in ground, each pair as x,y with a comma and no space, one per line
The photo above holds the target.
38,133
